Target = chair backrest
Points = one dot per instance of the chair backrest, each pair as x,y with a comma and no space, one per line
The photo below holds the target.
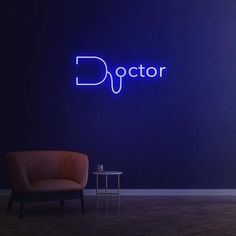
29,166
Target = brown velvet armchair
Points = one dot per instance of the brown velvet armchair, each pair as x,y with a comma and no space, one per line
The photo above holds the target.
46,175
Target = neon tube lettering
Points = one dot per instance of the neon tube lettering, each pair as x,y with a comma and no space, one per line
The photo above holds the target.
120,72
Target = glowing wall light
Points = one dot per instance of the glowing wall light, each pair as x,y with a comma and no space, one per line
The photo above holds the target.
120,72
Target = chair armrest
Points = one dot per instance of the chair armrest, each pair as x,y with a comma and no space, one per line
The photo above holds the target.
74,166
18,174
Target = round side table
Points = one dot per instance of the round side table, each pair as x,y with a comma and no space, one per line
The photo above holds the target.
106,174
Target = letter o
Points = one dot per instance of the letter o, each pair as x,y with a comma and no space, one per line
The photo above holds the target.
124,72
151,68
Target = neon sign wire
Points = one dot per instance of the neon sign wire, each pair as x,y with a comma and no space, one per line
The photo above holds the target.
131,72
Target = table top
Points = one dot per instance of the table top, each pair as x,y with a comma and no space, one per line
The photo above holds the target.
108,173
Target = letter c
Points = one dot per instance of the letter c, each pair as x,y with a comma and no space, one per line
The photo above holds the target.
130,71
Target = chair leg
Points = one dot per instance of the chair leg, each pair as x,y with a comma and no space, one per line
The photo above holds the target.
61,203
9,206
82,201
22,204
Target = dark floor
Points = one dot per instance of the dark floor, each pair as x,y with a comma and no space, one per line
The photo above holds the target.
137,216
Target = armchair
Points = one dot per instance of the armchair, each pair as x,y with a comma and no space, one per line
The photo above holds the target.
46,175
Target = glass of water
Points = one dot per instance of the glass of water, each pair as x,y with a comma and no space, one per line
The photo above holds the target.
99,167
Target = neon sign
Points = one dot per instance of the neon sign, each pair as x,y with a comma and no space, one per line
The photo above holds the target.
120,72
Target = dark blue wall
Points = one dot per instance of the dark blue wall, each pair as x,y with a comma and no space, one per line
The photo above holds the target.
178,132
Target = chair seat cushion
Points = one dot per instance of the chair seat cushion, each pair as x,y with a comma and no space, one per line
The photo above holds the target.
54,185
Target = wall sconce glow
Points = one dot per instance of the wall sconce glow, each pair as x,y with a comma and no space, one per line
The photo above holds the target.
120,72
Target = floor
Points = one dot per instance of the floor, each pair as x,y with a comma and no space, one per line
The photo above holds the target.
159,216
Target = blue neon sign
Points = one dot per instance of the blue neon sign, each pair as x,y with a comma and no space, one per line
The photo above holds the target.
120,72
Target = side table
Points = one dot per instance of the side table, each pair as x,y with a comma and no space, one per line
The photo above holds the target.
106,174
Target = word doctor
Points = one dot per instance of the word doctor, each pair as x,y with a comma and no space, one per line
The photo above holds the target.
140,71
120,72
